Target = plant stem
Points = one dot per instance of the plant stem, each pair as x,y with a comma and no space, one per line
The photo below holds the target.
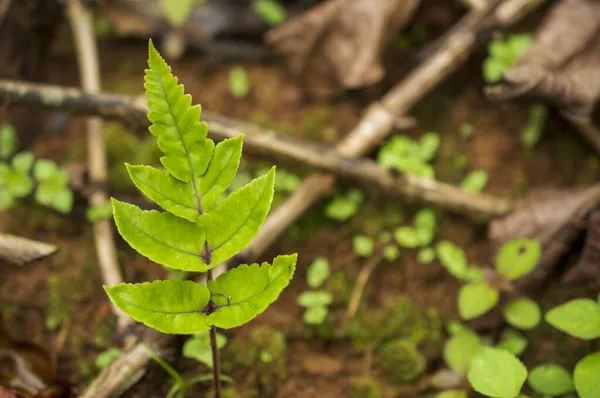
215,353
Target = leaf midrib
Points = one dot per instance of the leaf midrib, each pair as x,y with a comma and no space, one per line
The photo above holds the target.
269,284
163,312
187,153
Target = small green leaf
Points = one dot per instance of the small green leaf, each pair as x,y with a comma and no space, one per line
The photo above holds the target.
162,237
198,347
407,237
341,208
518,257
425,224
105,358
586,378
318,272
97,213
493,70
177,12
513,342
496,373
535,125
475,299
22,162
244,292
426,255
460,350
475,181
550,379
522,313
270,11
315,315
44,170
19,184
453,258
8,141
391,253
235,221
174,307
452,394
429,145
362,245
318,298
221,170
579,318
239,84
171,194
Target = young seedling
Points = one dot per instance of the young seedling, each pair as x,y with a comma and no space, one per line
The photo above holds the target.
406,155
475,182
198,229
21,175
343,207
421,235
316,301
504,54
271,11
481,292
239,83
532,133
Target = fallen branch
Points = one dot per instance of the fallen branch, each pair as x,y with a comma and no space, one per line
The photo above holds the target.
267,144
21,251
85,40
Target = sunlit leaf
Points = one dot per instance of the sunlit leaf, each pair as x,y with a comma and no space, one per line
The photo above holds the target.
362,245
407,237
270,11
550,379
453,258
475,181
518,257
162,237
174,307
316,298
22,162
8,141
586,376
426,255
579,318
244,292
425,224
476,299
460,350
496,373
318,272
315,315
522,313
341,208
391,253
239,84
429,145
513,342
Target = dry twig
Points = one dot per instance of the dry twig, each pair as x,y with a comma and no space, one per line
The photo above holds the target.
85,41
359,286
20,251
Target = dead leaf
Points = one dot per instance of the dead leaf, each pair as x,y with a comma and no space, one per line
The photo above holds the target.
338,44
553,217
562,66
587,270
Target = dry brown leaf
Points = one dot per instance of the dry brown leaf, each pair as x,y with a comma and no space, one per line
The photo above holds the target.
562,66
587,270
338,44
553,217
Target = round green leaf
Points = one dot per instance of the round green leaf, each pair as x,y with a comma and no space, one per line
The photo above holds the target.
476,299
522,313
44,169
239,84
579,318
475,181
391,253
315,315
318,272
429,144
518,257
550,379
407,237
319,298
453,258
496,373
460,350
586,376
513,342
362,245
22,162
426,255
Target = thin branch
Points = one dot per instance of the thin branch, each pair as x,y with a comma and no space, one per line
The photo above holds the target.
359,286
271,145
20,251
87,53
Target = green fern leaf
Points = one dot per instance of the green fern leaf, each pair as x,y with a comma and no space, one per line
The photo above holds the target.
174,307
169,193
221,170
176,124
231,225
246,291
162,237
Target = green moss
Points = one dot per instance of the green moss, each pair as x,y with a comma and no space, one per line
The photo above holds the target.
401,361
365,387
